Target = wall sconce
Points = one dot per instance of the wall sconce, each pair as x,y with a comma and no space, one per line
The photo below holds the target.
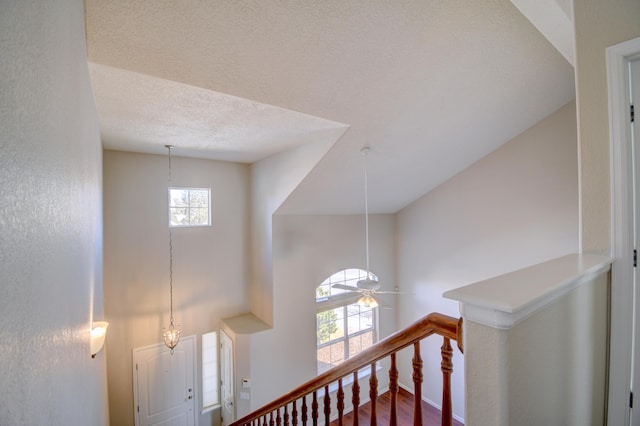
98,333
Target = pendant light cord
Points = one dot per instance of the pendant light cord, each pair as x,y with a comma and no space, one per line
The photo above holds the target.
170,248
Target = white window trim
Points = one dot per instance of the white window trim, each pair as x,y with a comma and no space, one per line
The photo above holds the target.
338,301
186,188
347,336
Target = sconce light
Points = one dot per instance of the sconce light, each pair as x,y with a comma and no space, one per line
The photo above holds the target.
98,333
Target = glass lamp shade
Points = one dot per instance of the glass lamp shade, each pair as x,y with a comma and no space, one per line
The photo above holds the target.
367,301
171,336
97,335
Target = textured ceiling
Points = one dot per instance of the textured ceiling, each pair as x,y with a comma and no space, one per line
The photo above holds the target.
143,113
432,86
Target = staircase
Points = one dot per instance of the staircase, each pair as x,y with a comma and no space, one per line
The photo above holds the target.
311,402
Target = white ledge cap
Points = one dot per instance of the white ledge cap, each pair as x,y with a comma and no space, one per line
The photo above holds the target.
503,301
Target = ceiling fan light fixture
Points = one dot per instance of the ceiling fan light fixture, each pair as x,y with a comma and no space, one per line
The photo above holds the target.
367,301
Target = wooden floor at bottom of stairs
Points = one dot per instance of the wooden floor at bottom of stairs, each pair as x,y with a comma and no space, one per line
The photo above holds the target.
431,416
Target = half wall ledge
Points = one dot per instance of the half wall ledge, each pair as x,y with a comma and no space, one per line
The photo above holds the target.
504,301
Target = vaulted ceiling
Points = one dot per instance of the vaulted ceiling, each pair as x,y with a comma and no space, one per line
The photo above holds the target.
431,86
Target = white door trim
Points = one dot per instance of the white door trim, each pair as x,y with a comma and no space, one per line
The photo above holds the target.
618,58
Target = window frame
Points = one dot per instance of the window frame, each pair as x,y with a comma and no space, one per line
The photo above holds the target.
330,302
189,207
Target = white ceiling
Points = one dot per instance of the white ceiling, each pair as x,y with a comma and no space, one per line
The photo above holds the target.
432,86
143,113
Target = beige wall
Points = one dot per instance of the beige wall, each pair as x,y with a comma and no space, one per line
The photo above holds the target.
272,181
50,219
598,25
308,249
549,369
516,207
210,264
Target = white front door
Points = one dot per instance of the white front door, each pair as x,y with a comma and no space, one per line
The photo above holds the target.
164,391
226,382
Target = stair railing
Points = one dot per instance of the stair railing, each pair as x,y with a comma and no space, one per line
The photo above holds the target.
293,409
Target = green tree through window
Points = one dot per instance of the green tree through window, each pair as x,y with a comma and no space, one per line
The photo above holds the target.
326,320
343,328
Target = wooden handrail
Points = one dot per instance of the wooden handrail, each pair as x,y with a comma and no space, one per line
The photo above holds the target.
435,323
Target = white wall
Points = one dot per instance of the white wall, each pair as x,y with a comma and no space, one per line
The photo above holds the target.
210,264
516,207
549,369
598,25
307,250
272,181
50,219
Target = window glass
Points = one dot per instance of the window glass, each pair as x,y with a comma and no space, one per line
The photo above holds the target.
343,328
189,207
210,369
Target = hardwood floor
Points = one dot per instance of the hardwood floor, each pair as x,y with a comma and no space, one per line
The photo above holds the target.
430,415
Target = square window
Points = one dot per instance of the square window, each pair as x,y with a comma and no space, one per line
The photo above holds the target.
189,207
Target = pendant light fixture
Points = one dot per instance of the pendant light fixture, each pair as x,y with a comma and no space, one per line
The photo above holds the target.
170,335
370,282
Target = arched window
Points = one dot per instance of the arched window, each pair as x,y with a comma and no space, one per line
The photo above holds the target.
343,327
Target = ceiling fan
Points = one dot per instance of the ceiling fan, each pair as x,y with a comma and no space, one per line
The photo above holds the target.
369,289
369,286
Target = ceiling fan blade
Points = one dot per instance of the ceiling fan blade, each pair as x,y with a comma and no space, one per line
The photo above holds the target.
341,298
346,297
393,292
368,284
382,303
346,287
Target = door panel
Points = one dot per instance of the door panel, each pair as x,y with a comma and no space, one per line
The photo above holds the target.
227,378
164,384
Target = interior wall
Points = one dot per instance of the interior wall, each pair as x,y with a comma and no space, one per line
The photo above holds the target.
598,25
308,249
50,219
516,207
272,181
210,266
562,348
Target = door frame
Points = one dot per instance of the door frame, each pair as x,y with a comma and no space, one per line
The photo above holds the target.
193,342
621,169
